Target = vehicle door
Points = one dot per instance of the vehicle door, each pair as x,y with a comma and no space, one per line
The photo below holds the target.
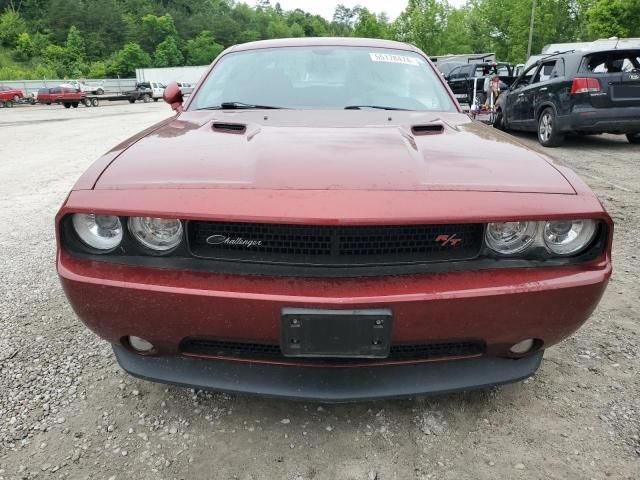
157,90
458,82
547,87
56,94
518,103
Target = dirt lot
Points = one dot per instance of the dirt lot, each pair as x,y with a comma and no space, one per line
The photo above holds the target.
68,411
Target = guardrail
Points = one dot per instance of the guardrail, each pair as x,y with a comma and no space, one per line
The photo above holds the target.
32,86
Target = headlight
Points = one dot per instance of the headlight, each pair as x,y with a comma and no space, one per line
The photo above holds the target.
159,234
509,238
102,232
566,237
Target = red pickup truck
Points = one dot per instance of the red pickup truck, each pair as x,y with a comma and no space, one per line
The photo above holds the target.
69,97
9,96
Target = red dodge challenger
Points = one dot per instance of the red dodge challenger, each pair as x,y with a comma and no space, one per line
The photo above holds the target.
320,220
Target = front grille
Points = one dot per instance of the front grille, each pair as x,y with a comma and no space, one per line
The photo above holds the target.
334,245
271,352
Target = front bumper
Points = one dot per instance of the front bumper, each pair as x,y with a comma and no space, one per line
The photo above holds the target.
329,384
498,307
604,120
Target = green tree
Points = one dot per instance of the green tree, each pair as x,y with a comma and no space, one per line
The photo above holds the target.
11,26
167,54
124,62
278,28
456,36
75,51
97,70
343,20
39,41
619,18
296,30
55,58
155,29
203,49
422,24
369,25
24,47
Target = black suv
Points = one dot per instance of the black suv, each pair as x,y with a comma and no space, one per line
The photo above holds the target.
575,92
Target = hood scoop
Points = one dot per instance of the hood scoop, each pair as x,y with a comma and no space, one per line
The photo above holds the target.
224,127
432,129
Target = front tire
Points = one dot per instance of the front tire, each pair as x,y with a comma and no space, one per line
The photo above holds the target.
548,134
146,98
16,99
633,138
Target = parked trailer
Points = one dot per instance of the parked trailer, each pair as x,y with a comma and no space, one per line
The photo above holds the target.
71,97
30,87
132,96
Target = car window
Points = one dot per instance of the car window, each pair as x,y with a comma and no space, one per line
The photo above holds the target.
525,78
545,71
448,68
455,73
56,90
611,62
325,77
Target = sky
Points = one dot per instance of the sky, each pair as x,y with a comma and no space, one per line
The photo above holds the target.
393,8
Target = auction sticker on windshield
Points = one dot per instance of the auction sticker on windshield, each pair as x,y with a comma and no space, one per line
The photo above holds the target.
389,58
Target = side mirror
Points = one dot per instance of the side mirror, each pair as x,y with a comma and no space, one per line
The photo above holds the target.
173,96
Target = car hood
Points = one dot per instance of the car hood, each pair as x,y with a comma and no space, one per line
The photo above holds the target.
330,150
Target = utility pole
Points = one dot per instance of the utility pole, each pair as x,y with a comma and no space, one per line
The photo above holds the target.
533,16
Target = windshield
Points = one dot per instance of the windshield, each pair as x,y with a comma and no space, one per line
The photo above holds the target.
324,78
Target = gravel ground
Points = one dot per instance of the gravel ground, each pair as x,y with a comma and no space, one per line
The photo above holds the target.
68,411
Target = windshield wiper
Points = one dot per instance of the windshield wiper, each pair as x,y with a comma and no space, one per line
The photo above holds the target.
241,105
360,107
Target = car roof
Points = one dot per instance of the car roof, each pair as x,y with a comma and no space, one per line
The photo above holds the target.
579,53
323,41
606,50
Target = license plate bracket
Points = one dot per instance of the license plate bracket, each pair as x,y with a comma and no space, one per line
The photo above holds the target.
335,333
